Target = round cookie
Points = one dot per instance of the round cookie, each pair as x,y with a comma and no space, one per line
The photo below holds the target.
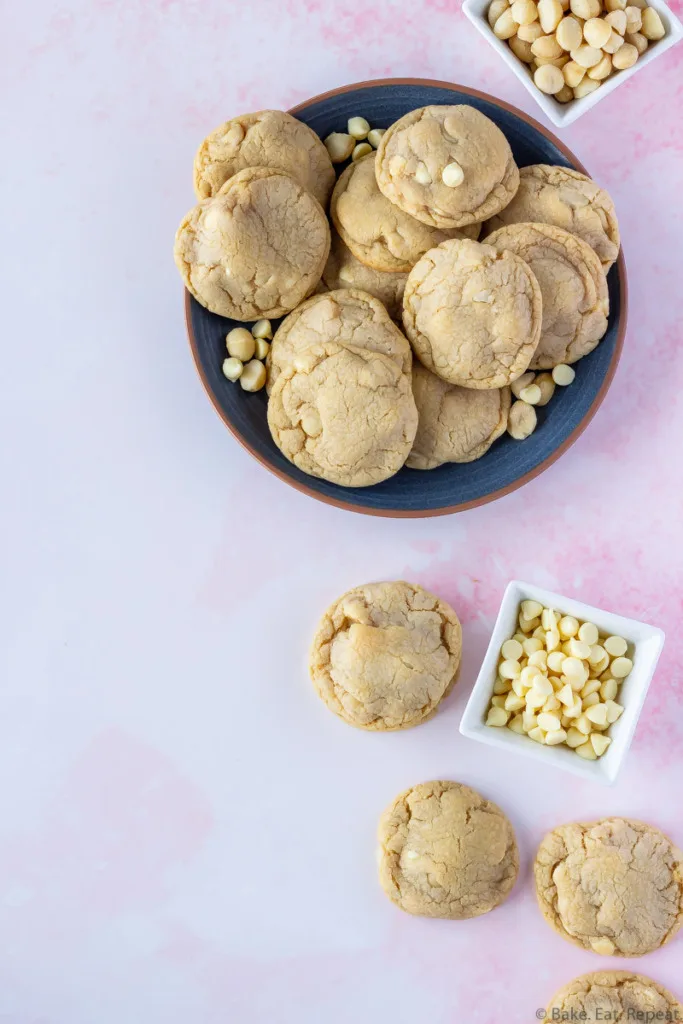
256,249
377,231
445,851
346,316
344,414
343,270
385,655
616,996
455,424
416,149
567,199
267,138
472,314
614,886
573,286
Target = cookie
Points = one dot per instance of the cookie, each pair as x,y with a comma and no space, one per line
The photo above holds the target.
455,424
344,414
256,249
613,886
416,151
573,286
473,314
343,270
445,851
567,199
268,138
385,655
377,231
614,996
342,317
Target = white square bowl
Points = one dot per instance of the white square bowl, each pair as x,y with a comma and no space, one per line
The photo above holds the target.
647,644
563,114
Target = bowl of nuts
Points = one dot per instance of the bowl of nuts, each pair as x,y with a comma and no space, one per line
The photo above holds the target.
570,54
562,682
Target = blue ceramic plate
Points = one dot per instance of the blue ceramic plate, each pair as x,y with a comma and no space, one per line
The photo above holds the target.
508,464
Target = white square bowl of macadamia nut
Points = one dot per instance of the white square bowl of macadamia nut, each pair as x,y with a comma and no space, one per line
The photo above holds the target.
570,54
562,682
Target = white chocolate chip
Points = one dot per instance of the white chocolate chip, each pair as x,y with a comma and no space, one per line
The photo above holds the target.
531,394
553,704
588,633
590,701
518,386
514,703
596,655
569,626
422,175
574,738
531,609
253,376
557,736
516,724
519,687
232,368
608,689
549,80
534,699
597,713
339,146
375,136
483,297
600,743
549,618
621,667
311,423
614,711
512,650
362,149
453,175
501,685
509,669
358,127
625,57
497,717
531,645
616,646
566,696
552,640
592,686
539,659
579,649
584,725
563,374
549,722
587,752
240,344
536,734
528,720
498,701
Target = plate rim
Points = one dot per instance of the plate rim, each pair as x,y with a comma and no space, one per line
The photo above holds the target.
521,481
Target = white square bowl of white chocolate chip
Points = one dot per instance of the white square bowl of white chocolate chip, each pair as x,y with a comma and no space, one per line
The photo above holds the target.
570,54
562,682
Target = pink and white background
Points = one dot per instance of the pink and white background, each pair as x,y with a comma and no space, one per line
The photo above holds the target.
186,833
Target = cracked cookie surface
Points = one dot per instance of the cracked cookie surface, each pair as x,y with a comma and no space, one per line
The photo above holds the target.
614,886
614,996
341,317
455,424
473,314
418,147
573,287
445,851
266,138
344,414
379,233
567,199
385,655
343,270
256,249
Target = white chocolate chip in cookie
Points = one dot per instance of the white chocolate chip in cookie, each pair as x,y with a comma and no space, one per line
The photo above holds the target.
422,175
453,174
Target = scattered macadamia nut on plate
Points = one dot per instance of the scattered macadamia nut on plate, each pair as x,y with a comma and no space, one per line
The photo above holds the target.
340,146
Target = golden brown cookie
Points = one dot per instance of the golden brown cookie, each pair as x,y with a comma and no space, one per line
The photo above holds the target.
455,424
256,249
573,286
445,851
567,199
344,414
267,138
379,233
429,145
472,314
343,270
385,655
343,317
617,997
614,886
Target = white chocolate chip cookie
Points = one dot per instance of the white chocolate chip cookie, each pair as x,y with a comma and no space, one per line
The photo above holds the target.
614,887
448,166
569,200
267,138
379,233
385,655
256,249
616,996
455,424
473,314
344,414
343,270
446,852
342,317
573,286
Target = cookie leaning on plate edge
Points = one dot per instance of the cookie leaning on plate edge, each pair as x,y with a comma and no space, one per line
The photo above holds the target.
381,502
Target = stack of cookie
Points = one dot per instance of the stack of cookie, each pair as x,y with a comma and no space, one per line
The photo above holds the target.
347,403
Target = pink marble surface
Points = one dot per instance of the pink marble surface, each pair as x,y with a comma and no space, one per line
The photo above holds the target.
185,832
